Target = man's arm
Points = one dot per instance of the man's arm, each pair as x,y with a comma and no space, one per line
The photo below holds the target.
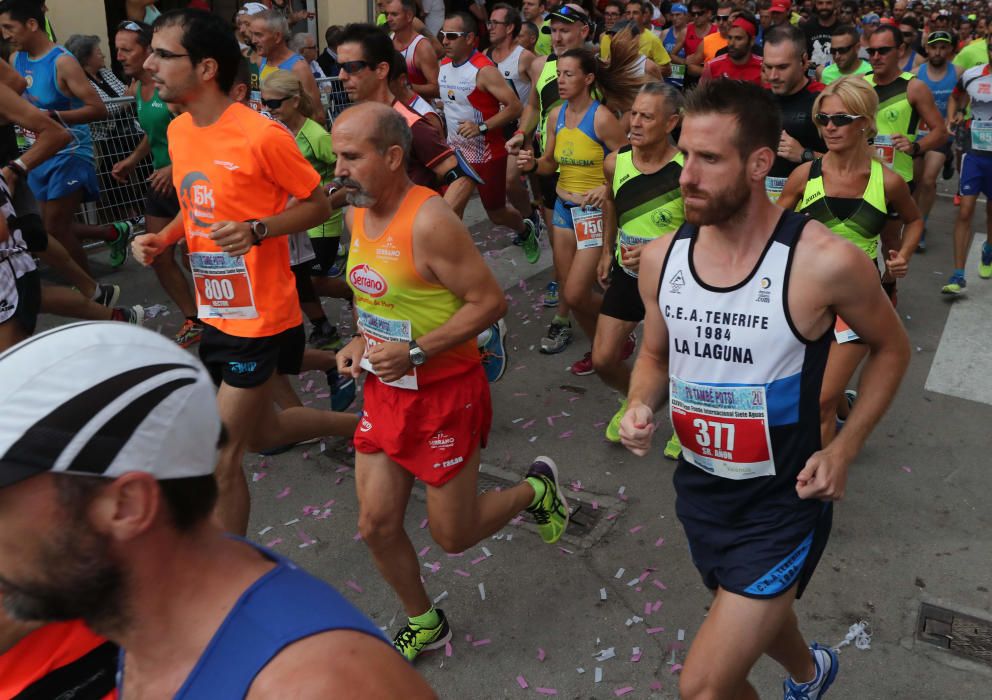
301,69
12,79
51,137
922,100
426,60
694,63
531,114
491,81
73,81
609,221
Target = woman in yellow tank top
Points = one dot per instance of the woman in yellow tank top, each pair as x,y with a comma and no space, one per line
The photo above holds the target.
581,131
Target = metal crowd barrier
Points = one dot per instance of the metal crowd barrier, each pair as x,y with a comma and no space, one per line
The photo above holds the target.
333,97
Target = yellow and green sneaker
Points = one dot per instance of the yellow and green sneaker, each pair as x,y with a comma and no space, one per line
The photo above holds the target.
613,429
550,509
674,448
413,639
985,264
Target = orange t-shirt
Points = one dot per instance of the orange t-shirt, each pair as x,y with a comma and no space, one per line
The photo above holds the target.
86,663
711,44
243,166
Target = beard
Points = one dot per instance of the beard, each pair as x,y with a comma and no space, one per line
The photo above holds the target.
360,197
721,206
81,580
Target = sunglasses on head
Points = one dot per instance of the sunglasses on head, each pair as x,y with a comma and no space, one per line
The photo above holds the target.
354,66
723,18
130,26
839,119
451,36
880,50
275,102
839,50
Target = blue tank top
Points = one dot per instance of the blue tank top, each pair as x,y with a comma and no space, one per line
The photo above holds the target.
43,92
942,88
677,78
265,69
285,605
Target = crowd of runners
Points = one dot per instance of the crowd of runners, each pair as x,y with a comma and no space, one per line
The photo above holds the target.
729,190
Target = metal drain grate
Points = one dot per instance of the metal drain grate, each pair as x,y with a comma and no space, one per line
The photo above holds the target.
959,633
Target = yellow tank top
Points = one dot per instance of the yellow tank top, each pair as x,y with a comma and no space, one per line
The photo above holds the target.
393,301
579,153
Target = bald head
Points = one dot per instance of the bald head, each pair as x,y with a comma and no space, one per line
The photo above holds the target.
382,126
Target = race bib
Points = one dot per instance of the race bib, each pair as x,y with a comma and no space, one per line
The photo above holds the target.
843,333
774,187
678,71
723,429
625,242
223,288
588,225
375,330
981,135
884,148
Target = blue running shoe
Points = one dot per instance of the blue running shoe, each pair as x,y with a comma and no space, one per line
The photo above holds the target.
550,298
494,356
827,664
955,285
342,390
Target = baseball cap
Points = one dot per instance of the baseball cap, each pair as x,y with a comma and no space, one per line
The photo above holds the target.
570,13
252,8
781,6
104,399
679,9
939,36
871,18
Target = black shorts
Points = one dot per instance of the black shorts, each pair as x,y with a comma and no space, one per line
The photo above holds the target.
28,301
33,231
326,252
762,555
622,299
161,206
249,362
548,184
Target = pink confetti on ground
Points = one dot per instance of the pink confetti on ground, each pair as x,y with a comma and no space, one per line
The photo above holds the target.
274,542
456,554
328,504
635,658
551,420
908,470
575,486
656,607
595,505
341,470
306,455
546,691
478,559
285,492
528,424
540,654
518,394
522,682
611,516
647,608
660,541
566,551
322,395
357,536
423,523
647,572
447,649
634,530
574,398
434,567
659,584
599,424
517,520
462,573
338,480
654,630
424,551
676,668
353,586
564,436
655,685
622,691
481,642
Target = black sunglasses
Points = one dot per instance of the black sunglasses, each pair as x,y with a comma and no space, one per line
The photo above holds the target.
698,13
492,22
838,50
451,36
352,67
839,119
275,102
723,18
880,50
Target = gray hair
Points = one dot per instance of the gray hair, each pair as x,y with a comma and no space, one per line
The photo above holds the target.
674,99
299,41
82,46
276,22
391,130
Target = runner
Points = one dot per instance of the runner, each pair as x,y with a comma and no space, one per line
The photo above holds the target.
399,86
421,61
702,25
58,85
234,171
583,132
649,44
819,32
940,75
270,33
128,543
674,37
851,193
423,293
478,104
534,11
710,44
973,90
723,312
739,62
642,203
844,44
785,63
133,43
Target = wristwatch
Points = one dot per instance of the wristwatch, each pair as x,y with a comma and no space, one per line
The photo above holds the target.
915,149
483,128
259,231
808,155
417,354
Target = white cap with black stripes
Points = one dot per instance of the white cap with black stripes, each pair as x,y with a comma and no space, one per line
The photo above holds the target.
104,399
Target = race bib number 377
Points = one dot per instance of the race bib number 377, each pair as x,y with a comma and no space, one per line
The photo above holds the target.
723,429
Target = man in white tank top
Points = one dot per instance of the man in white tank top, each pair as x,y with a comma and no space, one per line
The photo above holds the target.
738,346
421,60
514,63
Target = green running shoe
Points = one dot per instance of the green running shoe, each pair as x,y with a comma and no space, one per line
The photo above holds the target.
551,512
532,246
955,285
613,429
985,264
674,448
120,246
412,640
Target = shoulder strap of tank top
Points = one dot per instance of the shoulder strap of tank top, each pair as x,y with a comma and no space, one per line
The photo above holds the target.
789,228
815,169
560,123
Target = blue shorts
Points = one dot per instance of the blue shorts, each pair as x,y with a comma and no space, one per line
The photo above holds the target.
976,174
762,554
63,175
563,214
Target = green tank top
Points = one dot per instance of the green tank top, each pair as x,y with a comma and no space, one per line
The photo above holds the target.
832,72
154,117
865,225
649,205
316,146
547,95
895,116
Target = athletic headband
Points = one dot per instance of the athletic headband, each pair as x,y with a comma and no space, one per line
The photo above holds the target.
747,26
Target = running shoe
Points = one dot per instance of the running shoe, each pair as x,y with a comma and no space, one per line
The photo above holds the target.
850,395
550,298
135,315
107,295
189,334
957,199
413,639
324,336
583,367
955,285
985,266
120,246
629,347
494,356
613,428
343,390
827,665
948,171
551,511
921,247
673,448
338,267
531,243
558,337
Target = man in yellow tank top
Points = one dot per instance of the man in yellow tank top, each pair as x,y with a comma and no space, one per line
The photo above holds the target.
422,295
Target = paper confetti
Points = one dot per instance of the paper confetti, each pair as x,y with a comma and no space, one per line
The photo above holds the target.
598,675
637,528
602,594
660,541
264,530
481,642
424,551
546,691
605,654
622,691
619,573
440,596
285,492
462,573
540,654
354,586
654,630
522,683
482,591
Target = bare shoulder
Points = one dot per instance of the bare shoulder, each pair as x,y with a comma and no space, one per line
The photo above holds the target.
824,258
536,66
436,223
339,663
892,181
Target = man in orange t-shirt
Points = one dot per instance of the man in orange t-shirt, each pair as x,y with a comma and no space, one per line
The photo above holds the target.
236,172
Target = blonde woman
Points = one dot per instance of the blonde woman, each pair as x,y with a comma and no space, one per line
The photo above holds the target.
851,192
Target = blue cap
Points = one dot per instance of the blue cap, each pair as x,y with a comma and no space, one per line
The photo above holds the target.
679,9
871,18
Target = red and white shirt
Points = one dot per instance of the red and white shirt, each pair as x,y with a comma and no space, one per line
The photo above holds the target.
465,101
